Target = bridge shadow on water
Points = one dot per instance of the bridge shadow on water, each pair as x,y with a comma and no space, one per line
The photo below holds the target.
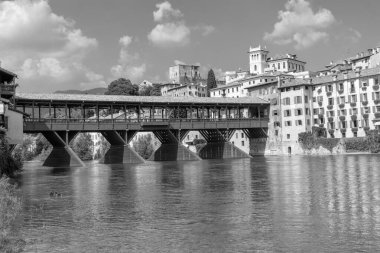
173,152
221,150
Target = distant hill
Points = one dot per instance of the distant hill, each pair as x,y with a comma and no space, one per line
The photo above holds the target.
95,91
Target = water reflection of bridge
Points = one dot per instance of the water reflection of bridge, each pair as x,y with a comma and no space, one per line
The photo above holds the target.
60,117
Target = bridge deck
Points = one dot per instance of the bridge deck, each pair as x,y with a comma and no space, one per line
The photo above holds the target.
85,125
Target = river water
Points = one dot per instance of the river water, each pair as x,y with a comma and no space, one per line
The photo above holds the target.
272,204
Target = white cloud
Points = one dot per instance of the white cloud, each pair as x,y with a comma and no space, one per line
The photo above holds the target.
179,62
165,11
300,25
127,66
43,48
171,29
170,34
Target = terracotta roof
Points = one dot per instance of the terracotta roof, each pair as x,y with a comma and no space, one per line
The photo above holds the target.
295,82
137,99
349,75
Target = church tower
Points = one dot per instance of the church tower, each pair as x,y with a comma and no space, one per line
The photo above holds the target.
257,59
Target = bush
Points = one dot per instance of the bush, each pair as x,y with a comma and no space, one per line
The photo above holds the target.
8,165
144,146
357,144
10,218
309,141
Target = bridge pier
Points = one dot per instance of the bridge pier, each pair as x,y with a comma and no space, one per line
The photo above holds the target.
171,148
120,152
218,145
61,155
257,140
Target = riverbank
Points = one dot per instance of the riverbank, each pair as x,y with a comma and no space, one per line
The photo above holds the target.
10,217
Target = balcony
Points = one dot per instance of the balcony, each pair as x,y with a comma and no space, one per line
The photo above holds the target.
376,101
353,104
329,93
352,90
320,115
340,91
375,87
342,105
364,102
331,119
8,89
364,88
354,117
320,103
354,129
343,130
331,132
342,118
321,125
330,107
365,115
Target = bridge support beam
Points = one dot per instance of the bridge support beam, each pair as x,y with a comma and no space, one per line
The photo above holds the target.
120,152
218,145
61,155
171,148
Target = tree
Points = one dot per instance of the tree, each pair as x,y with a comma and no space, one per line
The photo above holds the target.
83,146
122,86
151,90
211,82
8,165
143,146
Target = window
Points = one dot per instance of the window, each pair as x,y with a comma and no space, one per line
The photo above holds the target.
237,135
279,65
287,113
308,122
306,99
355,134
288,136
307,111
316,121
288,123
354,111
298,122
242,143
354,123
283,65
274,112
341,87
331,101
315,111
276,132
331,125
320,99
342,113
376,80
242,135
298,100
352,86
298,112
363,97
330,113
286,101
353,99
343,124
343,135
329,88
314,99
376,95
365,123
342,100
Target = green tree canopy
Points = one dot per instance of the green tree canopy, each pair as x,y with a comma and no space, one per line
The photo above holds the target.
122,86
151,90
211,81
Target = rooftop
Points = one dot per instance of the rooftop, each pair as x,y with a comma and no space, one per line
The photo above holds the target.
136,100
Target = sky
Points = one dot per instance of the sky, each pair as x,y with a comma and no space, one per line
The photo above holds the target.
83,44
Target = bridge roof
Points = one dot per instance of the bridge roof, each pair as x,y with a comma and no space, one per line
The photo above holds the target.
154,100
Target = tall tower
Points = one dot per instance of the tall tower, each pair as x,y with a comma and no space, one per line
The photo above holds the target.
257,59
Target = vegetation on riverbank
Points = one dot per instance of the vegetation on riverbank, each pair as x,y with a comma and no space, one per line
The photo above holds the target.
313,140
144,146
10,202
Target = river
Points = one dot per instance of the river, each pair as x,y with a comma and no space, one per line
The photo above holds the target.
265,204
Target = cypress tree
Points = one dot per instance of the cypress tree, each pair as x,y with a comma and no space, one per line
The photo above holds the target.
211,82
